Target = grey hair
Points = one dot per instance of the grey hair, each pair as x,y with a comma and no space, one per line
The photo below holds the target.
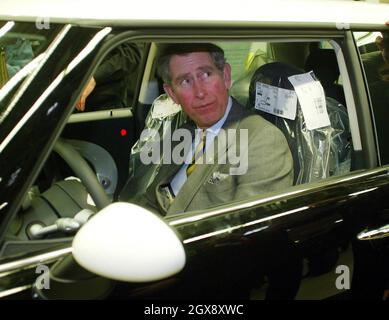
216,53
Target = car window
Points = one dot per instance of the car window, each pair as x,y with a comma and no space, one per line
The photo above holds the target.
241,54
35,107
318,153
22,47
376,71
59,191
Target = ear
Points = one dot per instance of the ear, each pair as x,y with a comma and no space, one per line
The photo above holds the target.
227,75
170,91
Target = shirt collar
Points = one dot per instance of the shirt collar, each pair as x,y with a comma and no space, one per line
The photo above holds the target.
214,129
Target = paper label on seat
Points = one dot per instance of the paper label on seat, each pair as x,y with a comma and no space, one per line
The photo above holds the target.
312,100
277,101
164,108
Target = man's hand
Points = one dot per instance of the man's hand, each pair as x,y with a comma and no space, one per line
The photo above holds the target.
80,106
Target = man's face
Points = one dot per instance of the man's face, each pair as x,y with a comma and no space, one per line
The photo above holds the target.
199,87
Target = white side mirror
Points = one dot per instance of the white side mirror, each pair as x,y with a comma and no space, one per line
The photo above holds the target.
129,243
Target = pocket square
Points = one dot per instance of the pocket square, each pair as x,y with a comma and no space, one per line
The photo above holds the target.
217,177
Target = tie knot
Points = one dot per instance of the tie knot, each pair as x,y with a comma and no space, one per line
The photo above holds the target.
203,135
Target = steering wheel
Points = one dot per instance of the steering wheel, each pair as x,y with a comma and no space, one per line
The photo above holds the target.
83,171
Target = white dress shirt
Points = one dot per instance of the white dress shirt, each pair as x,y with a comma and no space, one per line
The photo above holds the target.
211,132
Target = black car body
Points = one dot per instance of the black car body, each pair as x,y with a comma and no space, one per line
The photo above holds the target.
297,243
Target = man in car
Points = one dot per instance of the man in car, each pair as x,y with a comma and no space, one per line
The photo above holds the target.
197,77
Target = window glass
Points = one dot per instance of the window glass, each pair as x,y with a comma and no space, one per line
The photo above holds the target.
241,55
115,80
21,50
317,153
373,48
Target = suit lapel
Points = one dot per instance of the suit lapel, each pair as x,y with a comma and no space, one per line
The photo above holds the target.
199,176
167,172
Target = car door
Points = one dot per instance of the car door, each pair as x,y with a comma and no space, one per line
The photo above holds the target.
287,240
35,102
17,130
372,46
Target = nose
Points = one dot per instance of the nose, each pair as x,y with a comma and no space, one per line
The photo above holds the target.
199,89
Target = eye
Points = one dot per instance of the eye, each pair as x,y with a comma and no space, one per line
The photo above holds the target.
205,75
185,82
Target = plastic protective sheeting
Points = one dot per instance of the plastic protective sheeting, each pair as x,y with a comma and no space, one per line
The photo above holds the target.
164,117
318,153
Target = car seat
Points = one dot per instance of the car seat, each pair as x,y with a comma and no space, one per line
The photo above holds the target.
163,118
317,153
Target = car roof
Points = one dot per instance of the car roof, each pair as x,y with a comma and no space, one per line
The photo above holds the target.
197,12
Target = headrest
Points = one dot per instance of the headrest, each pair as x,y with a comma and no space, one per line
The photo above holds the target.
324,64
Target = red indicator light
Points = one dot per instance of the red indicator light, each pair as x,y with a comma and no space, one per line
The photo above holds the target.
123,132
